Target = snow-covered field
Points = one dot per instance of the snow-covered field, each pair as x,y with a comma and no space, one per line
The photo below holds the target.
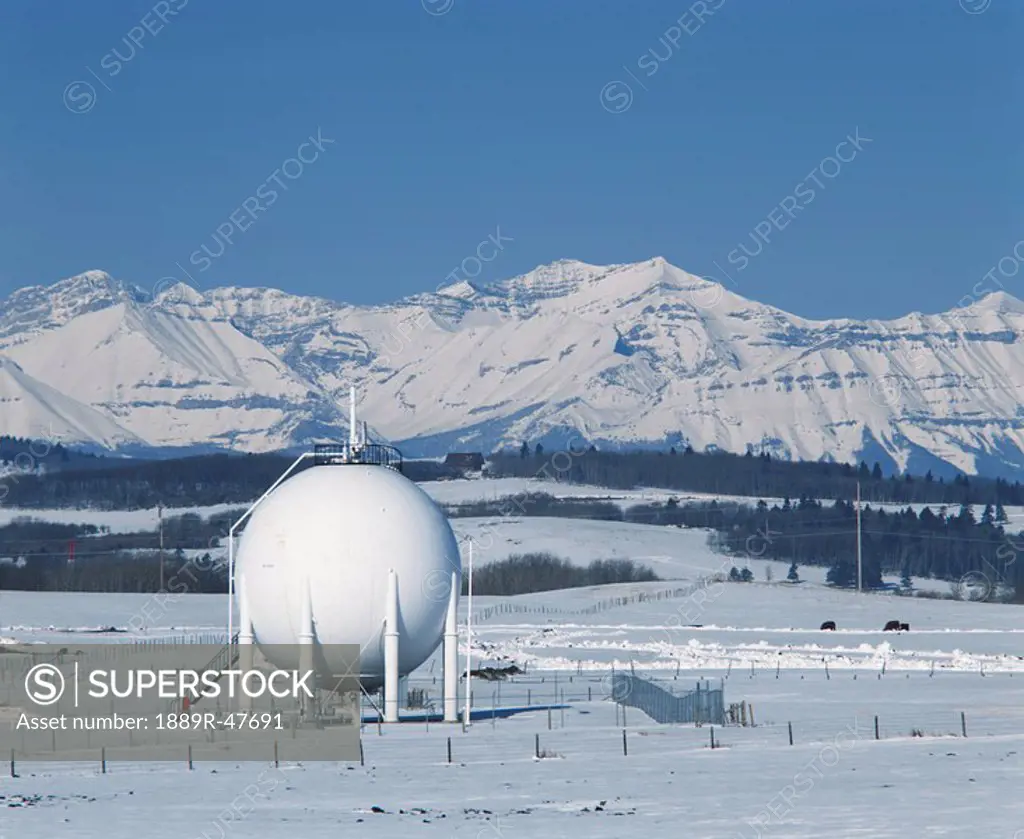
921,778
117,521
836,780
844,785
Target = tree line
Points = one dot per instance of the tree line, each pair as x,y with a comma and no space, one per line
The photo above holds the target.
70,479
533,572
205,480
944,544
121,572
752,475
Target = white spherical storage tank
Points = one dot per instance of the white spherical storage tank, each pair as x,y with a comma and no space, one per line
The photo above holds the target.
333,533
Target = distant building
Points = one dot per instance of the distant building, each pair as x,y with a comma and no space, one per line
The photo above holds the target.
465,461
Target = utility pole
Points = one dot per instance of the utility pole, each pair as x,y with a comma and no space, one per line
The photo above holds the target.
160,519
469,639
860,576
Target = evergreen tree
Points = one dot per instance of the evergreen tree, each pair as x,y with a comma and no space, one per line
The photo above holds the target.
906,583
988,517
842,575
746,575
876,473
524,452
793,576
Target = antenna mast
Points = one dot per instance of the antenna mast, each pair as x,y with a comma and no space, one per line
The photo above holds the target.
860,563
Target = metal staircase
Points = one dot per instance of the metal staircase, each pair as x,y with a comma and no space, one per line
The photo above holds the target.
225,658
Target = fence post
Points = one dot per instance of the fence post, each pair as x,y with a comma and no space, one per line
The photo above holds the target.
189,757
963,723
589,697
625,751
103,759
276,764
549,719
790,733
536,746
876,727
362,756
712,737
449,749
13,774
752,723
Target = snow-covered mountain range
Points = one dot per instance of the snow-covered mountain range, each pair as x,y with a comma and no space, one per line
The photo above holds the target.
616,355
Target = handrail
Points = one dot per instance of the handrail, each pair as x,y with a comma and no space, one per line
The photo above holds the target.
225,657
365,454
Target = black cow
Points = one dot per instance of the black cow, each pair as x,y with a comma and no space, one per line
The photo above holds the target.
831,625
904,627
891,626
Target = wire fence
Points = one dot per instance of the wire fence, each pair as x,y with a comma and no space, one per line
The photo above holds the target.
704,704
604,605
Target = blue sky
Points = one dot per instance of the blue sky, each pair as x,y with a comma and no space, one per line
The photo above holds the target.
509,116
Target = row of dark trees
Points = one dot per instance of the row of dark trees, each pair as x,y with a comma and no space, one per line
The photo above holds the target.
72,480
519,574
945,544
184,482
527,573
20,450
114,573
757,476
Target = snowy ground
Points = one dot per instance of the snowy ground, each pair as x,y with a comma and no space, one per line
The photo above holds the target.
672,553
844,785
761,640
117,521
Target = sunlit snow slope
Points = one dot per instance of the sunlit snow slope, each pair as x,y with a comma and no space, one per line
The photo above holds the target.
614,355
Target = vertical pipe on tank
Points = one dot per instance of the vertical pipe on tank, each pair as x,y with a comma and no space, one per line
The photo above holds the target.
306,637
391,650
451,656
245,639
353,426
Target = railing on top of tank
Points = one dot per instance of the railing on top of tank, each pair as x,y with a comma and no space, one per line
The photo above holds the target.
373,454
